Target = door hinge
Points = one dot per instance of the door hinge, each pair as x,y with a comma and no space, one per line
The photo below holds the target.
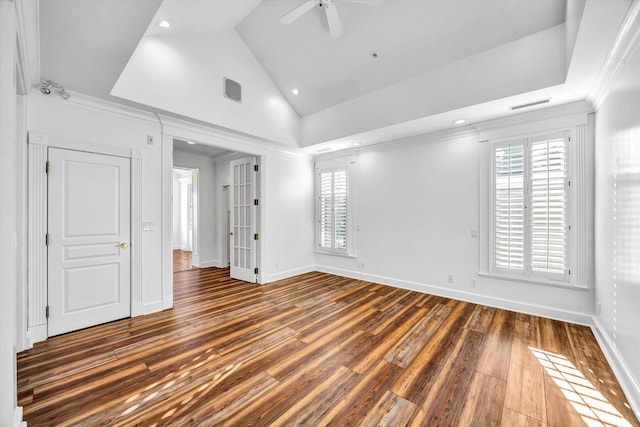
256,236
47,167
46,239
46,312
256,168
255,270
569,272
256,202
569,183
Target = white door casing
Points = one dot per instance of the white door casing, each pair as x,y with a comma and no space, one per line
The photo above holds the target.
243,219
89,227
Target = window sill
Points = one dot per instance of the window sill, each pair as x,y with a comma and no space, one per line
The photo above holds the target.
343,255
545,282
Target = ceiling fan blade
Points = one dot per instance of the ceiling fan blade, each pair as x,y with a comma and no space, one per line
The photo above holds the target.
299,11
335,26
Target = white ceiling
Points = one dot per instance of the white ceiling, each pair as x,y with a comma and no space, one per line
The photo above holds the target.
410,37
345,94
84,45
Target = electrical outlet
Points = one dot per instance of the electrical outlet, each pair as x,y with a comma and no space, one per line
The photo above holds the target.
474,233
473,283
360,265
450,278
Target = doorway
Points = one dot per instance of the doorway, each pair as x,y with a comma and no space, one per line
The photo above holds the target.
185,219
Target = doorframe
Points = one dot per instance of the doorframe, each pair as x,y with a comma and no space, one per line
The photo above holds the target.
37,281
178,129
195,212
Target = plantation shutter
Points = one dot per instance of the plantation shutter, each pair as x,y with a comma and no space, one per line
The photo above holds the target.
326,209
548,206
333,209
340,208
509,207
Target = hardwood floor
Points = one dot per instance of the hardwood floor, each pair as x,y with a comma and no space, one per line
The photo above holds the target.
318,350
182,260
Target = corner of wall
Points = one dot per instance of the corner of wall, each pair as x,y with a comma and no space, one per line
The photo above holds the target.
630,386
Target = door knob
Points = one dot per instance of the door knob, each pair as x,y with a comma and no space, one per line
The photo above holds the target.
124,245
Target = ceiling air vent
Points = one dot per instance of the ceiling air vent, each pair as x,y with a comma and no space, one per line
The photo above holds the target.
232,90
529,104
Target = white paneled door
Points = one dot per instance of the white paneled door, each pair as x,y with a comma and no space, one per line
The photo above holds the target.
243,219
89,235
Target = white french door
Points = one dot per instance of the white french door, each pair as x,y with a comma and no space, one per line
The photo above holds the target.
88,239
242,240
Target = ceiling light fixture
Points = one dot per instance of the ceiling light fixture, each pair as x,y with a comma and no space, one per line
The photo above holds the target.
191,143
164,24
357,144
295,91
459,122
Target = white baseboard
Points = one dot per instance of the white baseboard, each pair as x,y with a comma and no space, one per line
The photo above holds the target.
288,273
205,264
36,334
137,309
167,301
152,307
17,418
630,386
536,310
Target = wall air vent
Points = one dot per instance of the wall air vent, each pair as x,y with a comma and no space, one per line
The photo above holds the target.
529,104
232,90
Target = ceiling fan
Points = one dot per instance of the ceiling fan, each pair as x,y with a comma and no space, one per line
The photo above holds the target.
330,9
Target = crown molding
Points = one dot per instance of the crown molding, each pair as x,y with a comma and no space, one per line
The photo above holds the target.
623,47
28,35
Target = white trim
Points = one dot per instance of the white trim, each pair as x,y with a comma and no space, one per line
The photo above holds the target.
37,261
505,304
37,270
166,220
289,273
622,48
67,143
153,306
395,144
17,418
137,297
214,263
36,334
28,33
629,385
209,134
100,105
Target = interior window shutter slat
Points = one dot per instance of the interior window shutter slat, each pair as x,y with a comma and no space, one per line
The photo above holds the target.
509,207
548,206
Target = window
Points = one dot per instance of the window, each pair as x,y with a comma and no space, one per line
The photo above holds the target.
334,208
530,207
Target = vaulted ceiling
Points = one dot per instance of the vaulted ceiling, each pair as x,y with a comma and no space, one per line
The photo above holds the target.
401,67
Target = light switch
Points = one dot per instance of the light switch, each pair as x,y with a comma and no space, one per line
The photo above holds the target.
148,226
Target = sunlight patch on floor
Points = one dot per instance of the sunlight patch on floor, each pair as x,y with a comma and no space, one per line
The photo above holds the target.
592,406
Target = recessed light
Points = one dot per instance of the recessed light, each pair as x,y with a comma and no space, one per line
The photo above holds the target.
357,144
459,122
164,24
191,143
295,91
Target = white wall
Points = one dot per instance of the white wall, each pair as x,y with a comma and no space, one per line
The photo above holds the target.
9,412
69,119
416,206
288,214
618,222
176,230
206,204
183,73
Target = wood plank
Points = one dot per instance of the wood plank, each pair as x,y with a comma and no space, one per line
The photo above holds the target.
317,349
484,401
525,382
